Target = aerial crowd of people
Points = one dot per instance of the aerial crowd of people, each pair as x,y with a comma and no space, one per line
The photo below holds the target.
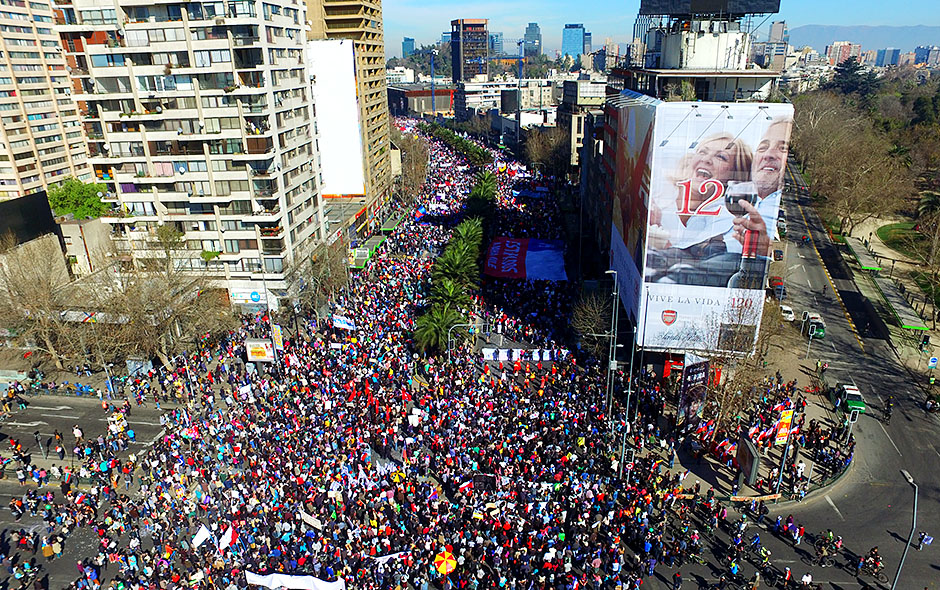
355,459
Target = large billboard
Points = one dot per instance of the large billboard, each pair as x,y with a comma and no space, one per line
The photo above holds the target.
716,172
702,7
332,68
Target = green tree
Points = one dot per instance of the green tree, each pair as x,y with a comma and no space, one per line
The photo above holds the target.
924,111
849,78
431,329
77,198
470,231
457,264
447,293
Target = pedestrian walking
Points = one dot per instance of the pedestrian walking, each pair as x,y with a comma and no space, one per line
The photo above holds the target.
677,581
923,540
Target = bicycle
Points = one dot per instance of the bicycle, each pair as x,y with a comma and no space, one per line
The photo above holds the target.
874,572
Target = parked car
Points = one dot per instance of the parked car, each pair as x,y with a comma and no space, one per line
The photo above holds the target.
778,255
787,313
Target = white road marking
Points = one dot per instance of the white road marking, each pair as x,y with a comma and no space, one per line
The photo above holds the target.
59,416
53,408
809,284
833,504
143,423
27,424
832,344
889,438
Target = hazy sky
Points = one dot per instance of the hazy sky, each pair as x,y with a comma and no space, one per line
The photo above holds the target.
425,20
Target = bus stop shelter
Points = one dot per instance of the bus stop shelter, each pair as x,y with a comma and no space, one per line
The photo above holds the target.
865,258
906,315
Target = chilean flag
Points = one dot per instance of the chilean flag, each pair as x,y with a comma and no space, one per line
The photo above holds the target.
228,538
467,485
526,258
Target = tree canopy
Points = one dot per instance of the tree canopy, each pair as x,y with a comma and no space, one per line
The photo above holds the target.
77,198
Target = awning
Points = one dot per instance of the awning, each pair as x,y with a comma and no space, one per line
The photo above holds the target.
865,258
392,222
902,310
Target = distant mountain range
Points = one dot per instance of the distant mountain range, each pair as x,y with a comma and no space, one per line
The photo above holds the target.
870,37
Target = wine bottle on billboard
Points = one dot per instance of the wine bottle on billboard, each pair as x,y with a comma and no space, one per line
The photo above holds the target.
750,273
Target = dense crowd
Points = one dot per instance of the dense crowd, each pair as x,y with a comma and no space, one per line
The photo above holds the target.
355,458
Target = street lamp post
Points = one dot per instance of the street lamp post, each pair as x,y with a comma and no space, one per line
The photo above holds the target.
910,537
612,355
626,410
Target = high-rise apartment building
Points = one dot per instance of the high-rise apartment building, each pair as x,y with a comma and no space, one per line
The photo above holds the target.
532,40
496,43
41,137
572,40
407,46
198,117
840,51
588,44
468,48
361,22
445,37
779,32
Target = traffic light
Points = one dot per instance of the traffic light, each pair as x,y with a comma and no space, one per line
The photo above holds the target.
628,456
853,416
925,342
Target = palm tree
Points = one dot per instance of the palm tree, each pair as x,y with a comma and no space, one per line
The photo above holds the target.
470,231
446,293
487,179
432,328
929,203
457,264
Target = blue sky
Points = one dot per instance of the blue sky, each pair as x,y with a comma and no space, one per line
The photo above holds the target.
425,20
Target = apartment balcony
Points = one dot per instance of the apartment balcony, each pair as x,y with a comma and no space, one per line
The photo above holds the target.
246,41
271,233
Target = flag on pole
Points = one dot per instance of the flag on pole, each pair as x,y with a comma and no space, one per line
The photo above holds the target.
228,538
202,535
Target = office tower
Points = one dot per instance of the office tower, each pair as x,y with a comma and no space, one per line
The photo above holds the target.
779,33
42,134
888,57
572,40
198,117
445,37
360,21
533,40
468,47
588,44
407,46
496,43
922,53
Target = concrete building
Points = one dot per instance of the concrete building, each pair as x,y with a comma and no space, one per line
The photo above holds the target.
710,55
469,48
475,98
407,46
88,246
399,75
771,55
198,117
588,44
41,141
414,100
779,32
840,51
572,40
445,37
532,40
361,22
578,97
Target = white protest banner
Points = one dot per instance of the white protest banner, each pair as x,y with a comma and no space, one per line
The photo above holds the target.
293,582
343,322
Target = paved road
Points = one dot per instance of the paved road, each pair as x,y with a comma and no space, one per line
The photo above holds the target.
50,413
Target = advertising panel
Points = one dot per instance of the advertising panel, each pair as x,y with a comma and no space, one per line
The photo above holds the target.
715,186
259,350
332,69
783,427
631,117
